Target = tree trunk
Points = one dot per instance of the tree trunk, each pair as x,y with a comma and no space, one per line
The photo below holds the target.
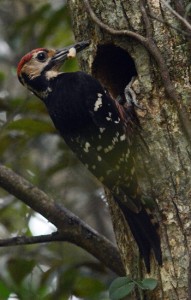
137,36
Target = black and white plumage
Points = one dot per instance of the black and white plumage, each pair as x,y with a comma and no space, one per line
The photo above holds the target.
93,127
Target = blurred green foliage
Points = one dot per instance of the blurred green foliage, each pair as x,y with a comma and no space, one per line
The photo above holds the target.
30,145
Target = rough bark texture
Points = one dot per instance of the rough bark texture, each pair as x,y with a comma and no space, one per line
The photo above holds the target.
162,59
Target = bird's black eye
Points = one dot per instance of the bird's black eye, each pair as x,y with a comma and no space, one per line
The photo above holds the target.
41,56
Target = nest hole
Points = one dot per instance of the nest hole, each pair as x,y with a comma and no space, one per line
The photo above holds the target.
114,68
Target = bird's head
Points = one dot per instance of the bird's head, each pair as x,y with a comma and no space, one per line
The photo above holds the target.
43,63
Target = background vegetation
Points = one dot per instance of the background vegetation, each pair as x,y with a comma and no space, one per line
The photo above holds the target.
31,147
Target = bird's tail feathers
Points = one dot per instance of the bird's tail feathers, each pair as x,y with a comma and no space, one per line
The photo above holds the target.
144,232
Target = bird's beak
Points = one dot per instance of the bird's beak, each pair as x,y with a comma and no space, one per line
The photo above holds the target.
69,52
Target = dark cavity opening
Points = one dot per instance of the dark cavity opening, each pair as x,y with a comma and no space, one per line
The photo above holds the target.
114,68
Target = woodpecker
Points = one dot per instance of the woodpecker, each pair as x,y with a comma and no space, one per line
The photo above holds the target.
94,126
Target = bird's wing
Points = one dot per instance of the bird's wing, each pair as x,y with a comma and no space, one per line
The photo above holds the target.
104,148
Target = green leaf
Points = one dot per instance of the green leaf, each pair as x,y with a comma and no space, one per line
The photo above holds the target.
4,291
20,268
121,287
149,284
2,76
118,282
31,127
52,22
88,287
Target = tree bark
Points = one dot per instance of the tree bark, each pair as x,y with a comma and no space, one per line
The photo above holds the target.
157,47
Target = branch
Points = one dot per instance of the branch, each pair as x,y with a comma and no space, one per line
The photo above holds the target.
110,30
148,26
70,227
168,24
31,240
179,17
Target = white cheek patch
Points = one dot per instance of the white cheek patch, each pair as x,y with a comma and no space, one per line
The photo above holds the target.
33,69
71,53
